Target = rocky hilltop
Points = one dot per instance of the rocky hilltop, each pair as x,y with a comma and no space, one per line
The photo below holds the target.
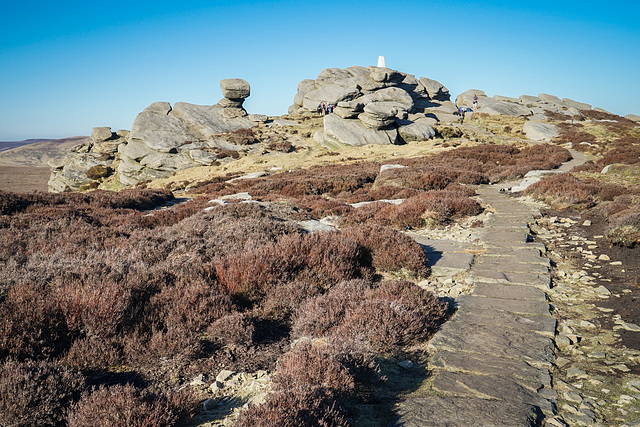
372,105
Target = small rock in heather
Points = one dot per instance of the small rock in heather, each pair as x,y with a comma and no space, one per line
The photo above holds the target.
198,381
631,327
224,375
407,364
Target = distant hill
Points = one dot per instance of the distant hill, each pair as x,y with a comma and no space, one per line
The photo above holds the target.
35,152
8,145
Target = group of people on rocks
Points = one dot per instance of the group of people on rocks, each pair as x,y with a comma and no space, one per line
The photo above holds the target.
325,108
463,110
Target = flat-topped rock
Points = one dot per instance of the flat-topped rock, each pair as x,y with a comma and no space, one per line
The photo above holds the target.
540,131
235,88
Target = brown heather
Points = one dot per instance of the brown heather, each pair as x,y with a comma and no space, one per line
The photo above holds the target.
99,289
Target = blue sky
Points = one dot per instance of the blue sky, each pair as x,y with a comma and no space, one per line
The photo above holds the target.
68,66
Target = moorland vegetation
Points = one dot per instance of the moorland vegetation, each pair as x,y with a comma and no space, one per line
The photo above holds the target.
109,302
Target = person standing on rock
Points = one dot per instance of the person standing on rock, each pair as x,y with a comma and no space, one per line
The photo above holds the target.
475,101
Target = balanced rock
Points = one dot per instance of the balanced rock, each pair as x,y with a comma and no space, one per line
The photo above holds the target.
379,115
235,88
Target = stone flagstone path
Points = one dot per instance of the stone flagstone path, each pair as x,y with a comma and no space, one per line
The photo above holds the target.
491,361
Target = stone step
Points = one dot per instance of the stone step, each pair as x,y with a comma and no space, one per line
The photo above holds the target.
515,306
527,376
544,325
509,292
493,341
457,412
491,387
526,251
525,258
513,265
540,281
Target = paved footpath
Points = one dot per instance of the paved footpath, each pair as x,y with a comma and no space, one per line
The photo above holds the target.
491,361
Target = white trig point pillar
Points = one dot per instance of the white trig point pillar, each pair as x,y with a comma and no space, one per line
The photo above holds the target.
381,61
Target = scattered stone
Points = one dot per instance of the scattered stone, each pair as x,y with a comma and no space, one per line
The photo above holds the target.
572,397
604,257
576,373
216,386
587,223
407,364
616,263
224,375
630,327
197,381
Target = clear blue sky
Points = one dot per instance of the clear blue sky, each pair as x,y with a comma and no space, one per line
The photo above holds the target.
68,66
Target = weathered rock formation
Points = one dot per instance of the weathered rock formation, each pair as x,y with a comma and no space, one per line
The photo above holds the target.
526,105
88,162
163,140
374,105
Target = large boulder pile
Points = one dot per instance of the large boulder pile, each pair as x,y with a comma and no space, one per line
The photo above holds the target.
374,105
162,140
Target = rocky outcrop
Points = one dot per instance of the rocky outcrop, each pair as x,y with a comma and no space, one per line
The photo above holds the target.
526,105
374,105
88,163
163,140
633,117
